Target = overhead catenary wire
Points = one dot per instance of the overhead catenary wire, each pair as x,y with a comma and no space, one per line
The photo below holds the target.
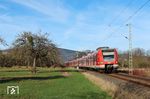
121,12
115,18
142,6
129,18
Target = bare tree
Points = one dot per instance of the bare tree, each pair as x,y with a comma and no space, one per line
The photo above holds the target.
37,47
3,42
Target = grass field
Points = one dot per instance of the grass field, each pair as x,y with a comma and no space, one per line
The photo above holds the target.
48,84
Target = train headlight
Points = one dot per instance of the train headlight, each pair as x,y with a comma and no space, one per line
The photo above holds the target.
101,62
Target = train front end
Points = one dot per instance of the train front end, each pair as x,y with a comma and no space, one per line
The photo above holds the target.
107,59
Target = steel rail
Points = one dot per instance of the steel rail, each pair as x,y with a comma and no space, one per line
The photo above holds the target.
134,79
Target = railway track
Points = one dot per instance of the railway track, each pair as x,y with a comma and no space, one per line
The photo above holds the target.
134,79
144,81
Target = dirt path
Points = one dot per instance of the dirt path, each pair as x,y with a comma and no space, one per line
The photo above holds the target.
66,74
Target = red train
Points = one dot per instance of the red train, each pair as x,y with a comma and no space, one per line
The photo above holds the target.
104,58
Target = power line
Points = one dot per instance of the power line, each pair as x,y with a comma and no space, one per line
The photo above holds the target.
122,11
115,18
129,18
142,6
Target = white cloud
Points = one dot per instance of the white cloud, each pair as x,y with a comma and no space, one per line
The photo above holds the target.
88,25
89,28
3,7
85,29
53,9
5,18
10,26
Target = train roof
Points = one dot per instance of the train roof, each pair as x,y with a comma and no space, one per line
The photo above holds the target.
107,50
103,48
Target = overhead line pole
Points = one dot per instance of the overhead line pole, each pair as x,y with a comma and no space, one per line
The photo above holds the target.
77,56
129,18
130,51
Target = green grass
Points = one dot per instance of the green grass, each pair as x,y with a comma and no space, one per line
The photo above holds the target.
48,84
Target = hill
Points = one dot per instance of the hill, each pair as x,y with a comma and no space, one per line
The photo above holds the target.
67,54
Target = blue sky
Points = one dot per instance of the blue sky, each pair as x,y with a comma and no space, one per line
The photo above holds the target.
77,24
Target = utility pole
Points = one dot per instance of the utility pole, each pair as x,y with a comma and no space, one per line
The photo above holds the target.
130,50
77,56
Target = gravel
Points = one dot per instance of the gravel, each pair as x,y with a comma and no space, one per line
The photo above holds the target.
123,89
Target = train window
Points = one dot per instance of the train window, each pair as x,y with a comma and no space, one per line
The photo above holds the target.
108,56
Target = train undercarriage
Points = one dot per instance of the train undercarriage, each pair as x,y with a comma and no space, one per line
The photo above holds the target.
109,68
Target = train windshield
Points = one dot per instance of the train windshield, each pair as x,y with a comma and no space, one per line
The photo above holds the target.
108,55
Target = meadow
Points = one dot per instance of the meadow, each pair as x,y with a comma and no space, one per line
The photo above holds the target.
48,83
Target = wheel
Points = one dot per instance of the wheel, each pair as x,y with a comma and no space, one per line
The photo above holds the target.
108,69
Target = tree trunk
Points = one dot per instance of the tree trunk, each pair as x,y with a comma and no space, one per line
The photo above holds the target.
28,63
34,66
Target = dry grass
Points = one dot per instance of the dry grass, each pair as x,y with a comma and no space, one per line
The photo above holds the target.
138,71
147,72
124,90
102,84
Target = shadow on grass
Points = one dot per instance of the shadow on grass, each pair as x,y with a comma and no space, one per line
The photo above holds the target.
91,95
67,70
15,71
5,80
